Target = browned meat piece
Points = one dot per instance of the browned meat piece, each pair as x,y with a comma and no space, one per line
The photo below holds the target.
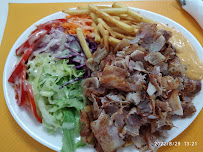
157,45
163,105
90,85
150,38
188,109
169,51
154,58
106,134
162,123
138,66
98,147
151,89
91,64
146,34
162,84
115,77
91,82
133,123
169,83
107,61
116,97
96,110
191,87
145,108
118,118
156,82
175,103
85,119
163,68
156,71
166,34
99,55
150,139
138,141
123,43
110,108
138,55
176,68
130,49
136,81
122,62
134,97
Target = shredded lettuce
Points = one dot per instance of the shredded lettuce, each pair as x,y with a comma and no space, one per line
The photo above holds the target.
71,120
58,106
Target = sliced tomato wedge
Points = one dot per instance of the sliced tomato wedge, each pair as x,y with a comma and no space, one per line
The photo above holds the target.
30,103
17,71
38,33
48,25
20,87
33,37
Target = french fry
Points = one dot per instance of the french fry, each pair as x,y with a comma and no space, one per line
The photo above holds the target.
86,7
103,7
109,24
132,13
77,12
115,11
110,19
136,26
118,5
126,17
100,20
117,29
116,17
121,36
127,22
94,17
113,41
106,41
82,7
101,29
102,41
136,30
139,17
109,10
105,35
96,33
83,43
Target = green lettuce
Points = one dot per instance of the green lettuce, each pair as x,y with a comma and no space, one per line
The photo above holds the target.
58,106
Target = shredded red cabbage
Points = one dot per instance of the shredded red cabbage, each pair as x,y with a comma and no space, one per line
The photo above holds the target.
65,46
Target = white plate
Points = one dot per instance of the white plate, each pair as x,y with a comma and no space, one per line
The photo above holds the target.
39,133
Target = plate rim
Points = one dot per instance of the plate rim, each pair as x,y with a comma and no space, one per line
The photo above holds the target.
44,142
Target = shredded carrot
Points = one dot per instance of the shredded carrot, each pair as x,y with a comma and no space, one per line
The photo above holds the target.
75,21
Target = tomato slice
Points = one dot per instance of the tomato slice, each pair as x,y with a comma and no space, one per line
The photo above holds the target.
48,25
17,71
38,33
32,38
25,94
20,87
30,103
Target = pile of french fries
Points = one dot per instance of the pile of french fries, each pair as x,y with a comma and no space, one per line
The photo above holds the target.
111,24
